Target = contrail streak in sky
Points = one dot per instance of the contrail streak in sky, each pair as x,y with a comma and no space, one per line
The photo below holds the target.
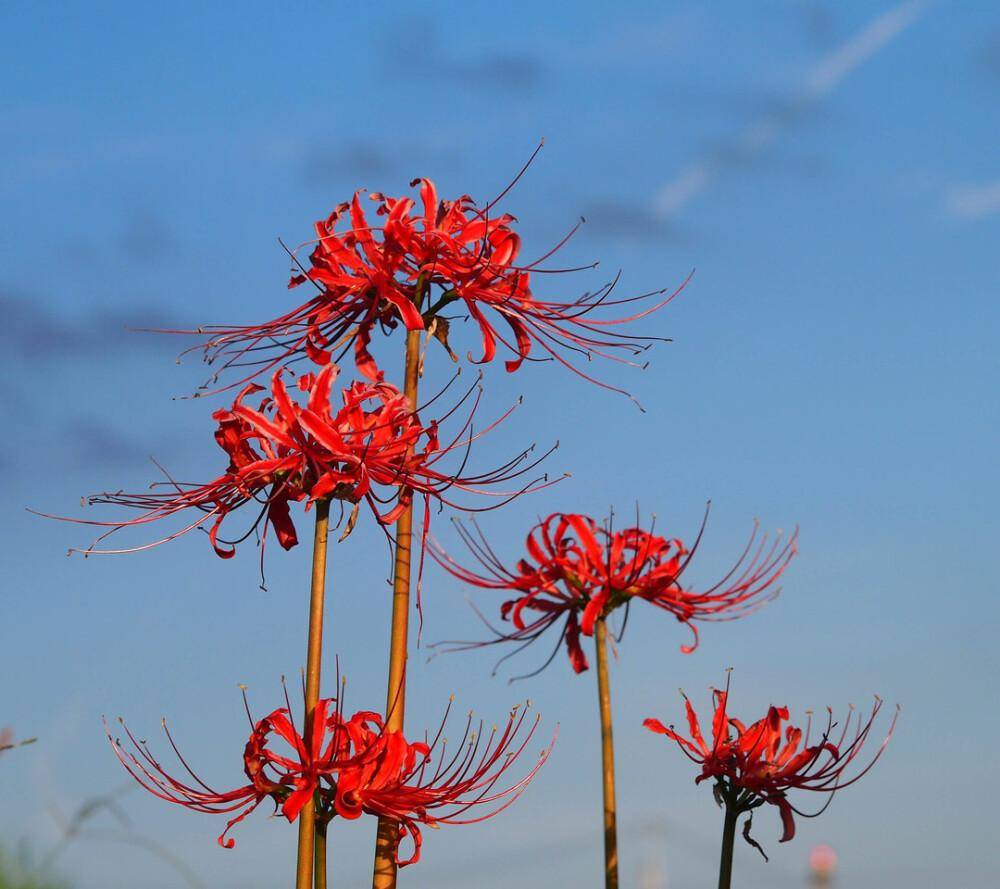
831,71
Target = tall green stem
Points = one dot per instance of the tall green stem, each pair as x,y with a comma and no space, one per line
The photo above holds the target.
320,853
607,758
314,659
384,876
728,839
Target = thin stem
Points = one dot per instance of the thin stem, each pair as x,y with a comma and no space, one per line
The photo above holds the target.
387,839
607,758
314,657
449,296
728,838
321,825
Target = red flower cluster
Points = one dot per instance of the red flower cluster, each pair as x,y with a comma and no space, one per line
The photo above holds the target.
579,571
367,275
373,448
761,763
352,767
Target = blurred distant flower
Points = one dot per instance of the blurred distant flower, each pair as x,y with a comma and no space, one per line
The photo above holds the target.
374,448
762,763
367,274
7,741
822,864
355,766
578,572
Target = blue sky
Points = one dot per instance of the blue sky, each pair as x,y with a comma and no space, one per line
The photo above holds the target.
830,172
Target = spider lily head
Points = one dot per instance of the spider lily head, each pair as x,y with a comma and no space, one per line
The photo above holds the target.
371,448
354,766
578,571
411,262
432,782
765,761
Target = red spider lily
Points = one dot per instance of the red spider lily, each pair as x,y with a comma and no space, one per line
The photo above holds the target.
354,766
761,763
578,571
385,274
421,783
374,448
288,780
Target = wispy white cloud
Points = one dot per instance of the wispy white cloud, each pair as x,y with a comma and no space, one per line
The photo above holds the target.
971,202
823,79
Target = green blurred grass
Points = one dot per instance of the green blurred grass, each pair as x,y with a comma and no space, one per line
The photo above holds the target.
18,872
